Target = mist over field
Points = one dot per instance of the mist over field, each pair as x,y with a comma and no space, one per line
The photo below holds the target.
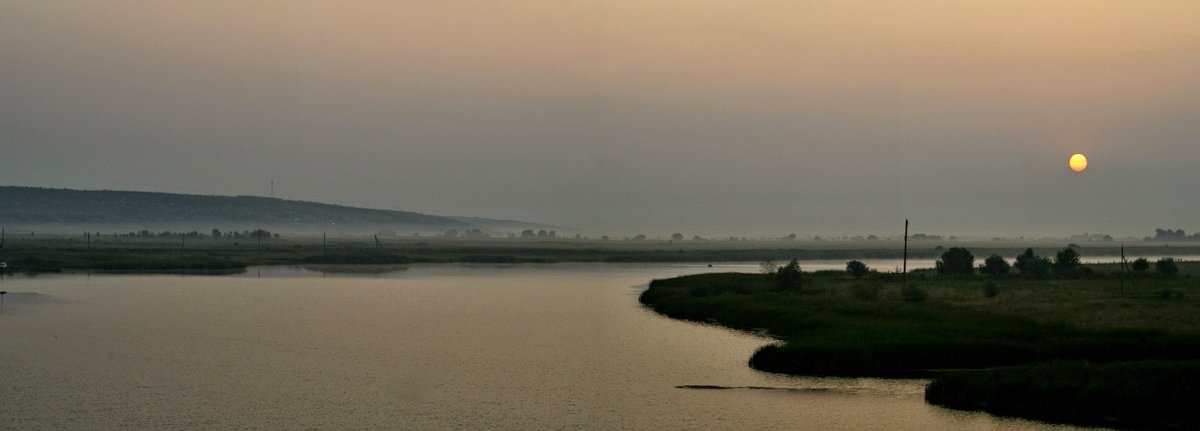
709,118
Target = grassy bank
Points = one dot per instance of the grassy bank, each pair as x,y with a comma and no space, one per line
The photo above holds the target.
1138,394
66,252
840,326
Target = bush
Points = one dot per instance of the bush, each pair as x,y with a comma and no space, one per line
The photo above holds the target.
990,290
1166,267
912,293
1066,261
956,261
994,266
1141,265
1031,264
787,277
856,268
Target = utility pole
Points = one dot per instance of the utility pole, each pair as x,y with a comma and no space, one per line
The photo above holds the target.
1123,267
323,243
377,243
89,239
904,279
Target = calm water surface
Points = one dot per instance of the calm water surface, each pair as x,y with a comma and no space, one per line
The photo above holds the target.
429,347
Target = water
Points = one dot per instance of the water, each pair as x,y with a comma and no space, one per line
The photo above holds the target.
428,347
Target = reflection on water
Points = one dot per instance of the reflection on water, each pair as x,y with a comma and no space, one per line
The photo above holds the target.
432,347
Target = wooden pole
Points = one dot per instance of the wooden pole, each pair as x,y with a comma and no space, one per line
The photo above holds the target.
89,239
904,279
377,244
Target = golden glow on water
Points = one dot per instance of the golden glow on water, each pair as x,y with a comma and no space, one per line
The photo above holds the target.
432,347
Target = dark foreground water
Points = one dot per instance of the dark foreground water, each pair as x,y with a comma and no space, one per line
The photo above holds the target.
427,347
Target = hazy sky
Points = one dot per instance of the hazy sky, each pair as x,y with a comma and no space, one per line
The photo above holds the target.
813,117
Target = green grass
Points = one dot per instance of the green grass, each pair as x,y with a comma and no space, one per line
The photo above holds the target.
831,328
1137,394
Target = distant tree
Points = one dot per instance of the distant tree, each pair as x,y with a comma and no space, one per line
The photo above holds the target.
451,233
1066,261
543,234
640,237
956,261
697,238
994,266
1166,267
789,237
767,266
676,237
527,233
216,233
1141,265
552,234
1029,263
788,277
857,269
604,237
872,238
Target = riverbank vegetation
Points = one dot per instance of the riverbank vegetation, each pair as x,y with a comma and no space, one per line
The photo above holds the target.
43,252
953,318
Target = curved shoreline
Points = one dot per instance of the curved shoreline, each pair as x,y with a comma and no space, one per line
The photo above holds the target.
827,332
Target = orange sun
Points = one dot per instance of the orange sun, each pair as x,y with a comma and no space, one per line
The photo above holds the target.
1078,162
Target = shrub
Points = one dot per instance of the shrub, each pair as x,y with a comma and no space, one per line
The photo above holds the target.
1066,261
994,266
956,261
990,290
1031,264
787,277
856,268
912,293
1166,267
1141,265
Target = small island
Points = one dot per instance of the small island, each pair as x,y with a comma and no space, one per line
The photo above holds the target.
1043,338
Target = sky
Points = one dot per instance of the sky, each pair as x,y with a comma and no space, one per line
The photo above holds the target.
705,117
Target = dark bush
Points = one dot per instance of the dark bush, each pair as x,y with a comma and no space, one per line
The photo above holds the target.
1066,261
994,266
787,277
856,268
1166,267
956,261
1031,264
1141,265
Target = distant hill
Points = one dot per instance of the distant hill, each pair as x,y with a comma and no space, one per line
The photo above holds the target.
34,205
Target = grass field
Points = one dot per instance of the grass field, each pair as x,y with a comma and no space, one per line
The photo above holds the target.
840,326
